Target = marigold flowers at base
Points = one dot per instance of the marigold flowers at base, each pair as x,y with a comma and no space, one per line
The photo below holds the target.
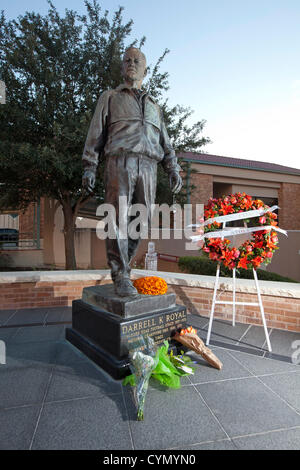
151,285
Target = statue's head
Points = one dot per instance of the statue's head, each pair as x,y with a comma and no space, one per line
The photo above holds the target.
134,67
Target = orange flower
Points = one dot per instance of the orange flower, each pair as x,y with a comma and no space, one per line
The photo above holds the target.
256,262
151,285
226,209
243,263
189,329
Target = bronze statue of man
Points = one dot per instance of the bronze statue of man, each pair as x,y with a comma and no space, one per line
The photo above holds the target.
128,128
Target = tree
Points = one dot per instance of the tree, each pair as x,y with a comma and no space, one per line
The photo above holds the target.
54,69
184,138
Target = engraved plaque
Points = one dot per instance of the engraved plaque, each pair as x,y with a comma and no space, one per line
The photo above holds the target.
158,326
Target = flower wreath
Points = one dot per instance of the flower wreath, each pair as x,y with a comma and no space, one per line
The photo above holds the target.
252,253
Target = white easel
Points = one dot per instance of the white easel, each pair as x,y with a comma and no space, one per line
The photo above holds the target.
234,303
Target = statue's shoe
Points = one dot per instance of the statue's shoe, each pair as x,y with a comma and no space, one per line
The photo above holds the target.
125,288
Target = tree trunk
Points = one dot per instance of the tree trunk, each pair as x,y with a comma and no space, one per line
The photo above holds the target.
69,234
50,208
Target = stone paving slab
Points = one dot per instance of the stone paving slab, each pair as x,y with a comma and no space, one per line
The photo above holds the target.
37,354
262,366
5,315
225,444
246,406
287,439
17,427
282,342
6,334
27,316
237,347
89,424
59,314
224,331
172,418
287,386
30,334
23,386
67,316
205,373
67,354
80,380
197,321
255,337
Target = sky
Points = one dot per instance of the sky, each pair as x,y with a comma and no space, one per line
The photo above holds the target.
236,63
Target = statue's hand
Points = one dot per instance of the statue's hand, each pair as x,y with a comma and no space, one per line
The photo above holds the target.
88,181
175,182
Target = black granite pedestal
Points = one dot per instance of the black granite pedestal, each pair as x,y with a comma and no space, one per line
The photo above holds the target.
105,336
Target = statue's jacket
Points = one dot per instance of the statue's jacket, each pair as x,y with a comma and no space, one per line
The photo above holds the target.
124,123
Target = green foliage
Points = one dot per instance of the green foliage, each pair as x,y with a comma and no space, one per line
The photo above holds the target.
184,137
206,267
54,69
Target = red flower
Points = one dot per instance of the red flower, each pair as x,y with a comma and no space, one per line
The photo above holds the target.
243,262
226,209
210,213
227,256
256,262
259,244
215,242
214,256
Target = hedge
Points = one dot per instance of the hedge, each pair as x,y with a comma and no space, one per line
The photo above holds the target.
206,267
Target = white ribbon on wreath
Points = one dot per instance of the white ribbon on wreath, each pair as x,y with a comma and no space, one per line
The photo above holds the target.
232,231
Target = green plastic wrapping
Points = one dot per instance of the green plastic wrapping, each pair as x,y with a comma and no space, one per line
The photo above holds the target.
166,369
165,372
170,368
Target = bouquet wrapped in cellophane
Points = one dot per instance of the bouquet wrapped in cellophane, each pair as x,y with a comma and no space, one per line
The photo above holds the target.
143,361
149,361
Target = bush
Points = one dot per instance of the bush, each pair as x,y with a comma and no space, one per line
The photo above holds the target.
206,267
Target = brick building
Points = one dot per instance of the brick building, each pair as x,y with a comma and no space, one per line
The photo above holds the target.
215,176
40,227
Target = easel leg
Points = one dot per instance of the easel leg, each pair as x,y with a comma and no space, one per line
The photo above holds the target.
213,304
233,298
262,310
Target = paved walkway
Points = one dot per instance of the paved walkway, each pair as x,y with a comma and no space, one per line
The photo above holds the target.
53,397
